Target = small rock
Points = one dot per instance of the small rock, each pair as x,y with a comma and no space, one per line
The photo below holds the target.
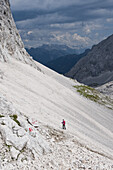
21,132
14,153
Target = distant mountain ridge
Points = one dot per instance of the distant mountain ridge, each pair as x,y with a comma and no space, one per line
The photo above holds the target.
63,64
96,68
49,52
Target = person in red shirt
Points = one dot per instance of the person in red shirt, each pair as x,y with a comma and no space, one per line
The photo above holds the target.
63,124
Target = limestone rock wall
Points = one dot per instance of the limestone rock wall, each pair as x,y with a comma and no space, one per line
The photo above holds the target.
11,45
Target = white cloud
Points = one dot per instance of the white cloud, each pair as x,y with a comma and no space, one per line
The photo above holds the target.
79,38
91,26
109,19
71,39
101,13
26,40
30,32
87,30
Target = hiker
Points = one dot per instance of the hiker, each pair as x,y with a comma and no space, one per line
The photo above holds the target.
63,124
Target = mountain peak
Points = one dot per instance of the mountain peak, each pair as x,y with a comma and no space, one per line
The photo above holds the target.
11,45
96,68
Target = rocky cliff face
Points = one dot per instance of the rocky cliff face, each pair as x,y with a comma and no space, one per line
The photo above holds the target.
97,67
11,45
106,89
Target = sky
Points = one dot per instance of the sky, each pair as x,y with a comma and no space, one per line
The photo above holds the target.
75,23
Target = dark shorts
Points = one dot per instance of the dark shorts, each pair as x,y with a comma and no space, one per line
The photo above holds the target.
64,127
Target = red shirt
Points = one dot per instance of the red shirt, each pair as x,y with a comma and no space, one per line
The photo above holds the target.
63,122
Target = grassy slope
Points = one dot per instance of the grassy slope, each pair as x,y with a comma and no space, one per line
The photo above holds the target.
94,95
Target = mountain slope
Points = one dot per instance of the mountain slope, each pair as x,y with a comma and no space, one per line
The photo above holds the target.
48,98
37,95
97,67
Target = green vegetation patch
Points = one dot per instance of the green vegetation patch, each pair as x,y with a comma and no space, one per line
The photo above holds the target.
88,92
94,95
1,116
14,117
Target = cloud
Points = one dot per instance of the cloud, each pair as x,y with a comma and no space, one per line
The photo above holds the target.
70,21
30,32
109,20
72,10
44,4
90,27
81,39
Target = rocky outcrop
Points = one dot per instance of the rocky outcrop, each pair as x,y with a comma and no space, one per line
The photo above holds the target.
11,45
96,68
20,134
107,89
26,144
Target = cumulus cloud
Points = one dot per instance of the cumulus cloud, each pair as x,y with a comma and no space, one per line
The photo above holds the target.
79,38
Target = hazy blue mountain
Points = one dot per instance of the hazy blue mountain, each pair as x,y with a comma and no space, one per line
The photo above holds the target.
46,53
65,63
